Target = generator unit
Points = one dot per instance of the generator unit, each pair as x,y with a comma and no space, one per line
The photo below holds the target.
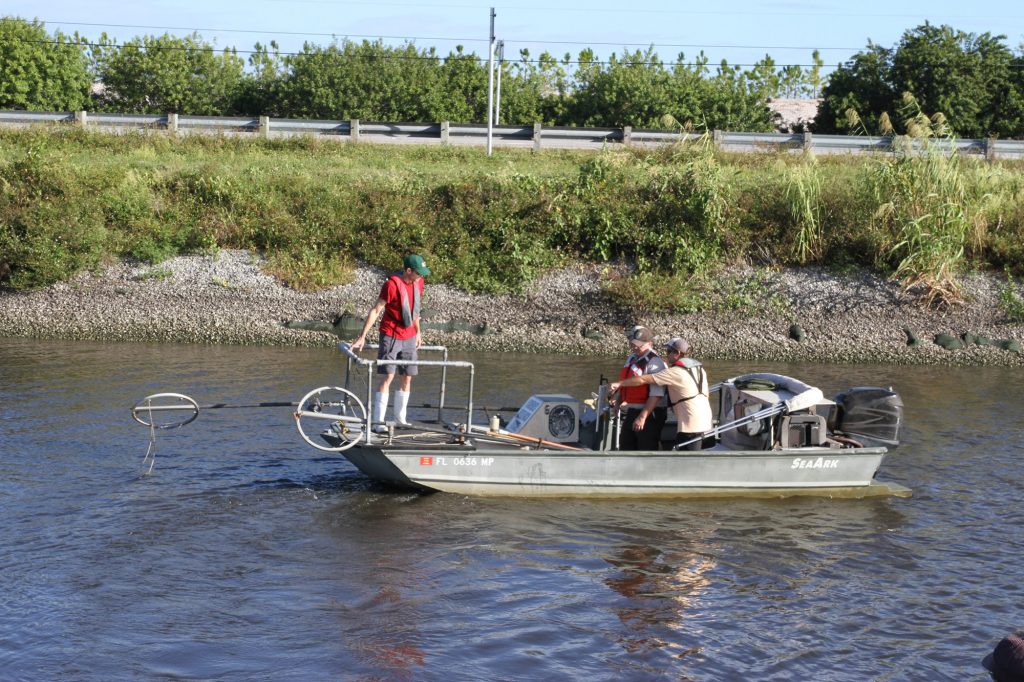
550,417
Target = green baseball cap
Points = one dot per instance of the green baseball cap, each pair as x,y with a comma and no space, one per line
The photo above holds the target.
415,261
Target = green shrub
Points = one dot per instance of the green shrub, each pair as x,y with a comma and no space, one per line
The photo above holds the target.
71,199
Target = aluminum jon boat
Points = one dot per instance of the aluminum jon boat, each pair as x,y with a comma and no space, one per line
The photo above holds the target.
775,436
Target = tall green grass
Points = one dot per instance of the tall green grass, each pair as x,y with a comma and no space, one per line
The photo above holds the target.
925,211
803,194
73,200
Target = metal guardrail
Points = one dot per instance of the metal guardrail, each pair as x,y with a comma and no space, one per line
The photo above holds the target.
535,136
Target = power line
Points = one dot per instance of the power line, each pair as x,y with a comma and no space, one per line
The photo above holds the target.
232,50
395,57
637,10
427,56
751,47
277,32
525,41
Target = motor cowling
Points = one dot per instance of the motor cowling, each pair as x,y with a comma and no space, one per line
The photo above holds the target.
871,415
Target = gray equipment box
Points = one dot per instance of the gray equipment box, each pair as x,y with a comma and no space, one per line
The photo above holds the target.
550,417
803,430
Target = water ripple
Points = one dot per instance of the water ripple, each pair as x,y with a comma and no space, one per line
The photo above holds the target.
245,555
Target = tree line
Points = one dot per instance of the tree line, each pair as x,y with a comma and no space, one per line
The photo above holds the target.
975,81
370,80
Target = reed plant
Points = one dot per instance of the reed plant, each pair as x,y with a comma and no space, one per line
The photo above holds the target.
803,196
923,210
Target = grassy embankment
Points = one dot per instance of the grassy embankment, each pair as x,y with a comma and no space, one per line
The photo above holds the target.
72,200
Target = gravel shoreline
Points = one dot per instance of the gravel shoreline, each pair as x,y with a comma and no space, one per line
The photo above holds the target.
227,299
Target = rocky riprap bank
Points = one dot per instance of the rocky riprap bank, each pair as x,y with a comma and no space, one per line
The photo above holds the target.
226,298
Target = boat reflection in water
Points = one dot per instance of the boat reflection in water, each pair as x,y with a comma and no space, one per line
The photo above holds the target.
661,588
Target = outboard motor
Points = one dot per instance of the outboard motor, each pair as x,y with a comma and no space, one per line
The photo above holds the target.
869,414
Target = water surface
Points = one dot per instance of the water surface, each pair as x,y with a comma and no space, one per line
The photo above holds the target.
249,555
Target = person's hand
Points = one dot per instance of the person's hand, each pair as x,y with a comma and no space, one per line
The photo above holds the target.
638,423
613,388
419,341
357,345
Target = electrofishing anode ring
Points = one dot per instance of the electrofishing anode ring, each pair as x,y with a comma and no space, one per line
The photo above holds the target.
145,407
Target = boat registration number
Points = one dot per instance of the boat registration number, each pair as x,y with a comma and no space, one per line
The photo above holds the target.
456,461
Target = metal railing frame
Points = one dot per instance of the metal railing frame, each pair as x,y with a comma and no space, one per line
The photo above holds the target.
535,135
444,364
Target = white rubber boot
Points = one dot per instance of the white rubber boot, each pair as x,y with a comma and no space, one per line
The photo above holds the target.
401,406
380,407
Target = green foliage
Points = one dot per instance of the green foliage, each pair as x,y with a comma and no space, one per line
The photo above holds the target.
974,80
638,89
310,270
924,209
71,199
680,294
538,90
648,292
461,91
956,73
861,85
160,74
1010,302
490,233
665,218
368,80
632,90
803,195
259,91
48,228
41,72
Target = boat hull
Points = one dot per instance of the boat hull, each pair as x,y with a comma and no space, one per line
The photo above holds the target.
554,473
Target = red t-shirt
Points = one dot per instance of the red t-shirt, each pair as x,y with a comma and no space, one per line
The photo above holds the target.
391,322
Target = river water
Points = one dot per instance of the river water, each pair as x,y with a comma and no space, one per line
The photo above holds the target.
248,555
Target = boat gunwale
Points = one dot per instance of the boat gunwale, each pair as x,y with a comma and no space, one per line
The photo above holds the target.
514,451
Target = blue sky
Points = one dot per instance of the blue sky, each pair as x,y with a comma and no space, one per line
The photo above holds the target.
741,31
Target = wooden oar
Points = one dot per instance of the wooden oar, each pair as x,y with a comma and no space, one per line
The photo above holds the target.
534,441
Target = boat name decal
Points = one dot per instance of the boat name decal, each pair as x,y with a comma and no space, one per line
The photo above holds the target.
820,463
456,461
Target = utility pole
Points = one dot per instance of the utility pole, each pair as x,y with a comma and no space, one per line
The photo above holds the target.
490,86
497,89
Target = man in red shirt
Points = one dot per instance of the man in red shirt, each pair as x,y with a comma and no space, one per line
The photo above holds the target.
399,336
